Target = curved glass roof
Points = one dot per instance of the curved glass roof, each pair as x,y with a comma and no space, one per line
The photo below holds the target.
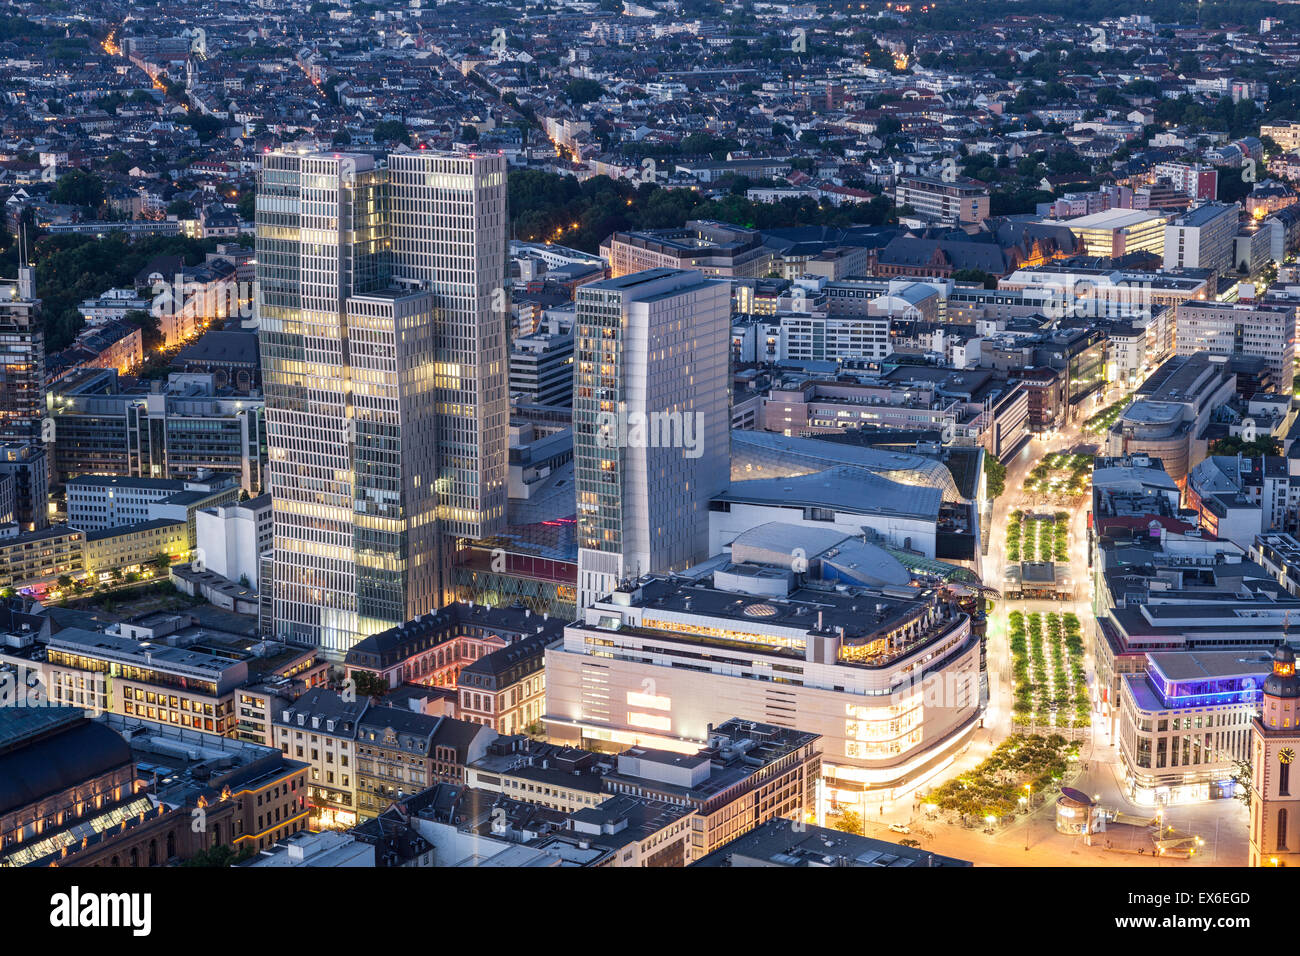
757,454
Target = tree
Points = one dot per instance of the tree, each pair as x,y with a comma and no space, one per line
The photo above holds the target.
390,131
849,821
150,330
1243,775
996,473
79,188
219,856
181,209
1235,444
582,91
987,279
368,684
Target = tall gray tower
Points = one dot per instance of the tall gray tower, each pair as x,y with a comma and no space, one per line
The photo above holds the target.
651,422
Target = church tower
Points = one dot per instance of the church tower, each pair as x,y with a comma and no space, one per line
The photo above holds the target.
1275,797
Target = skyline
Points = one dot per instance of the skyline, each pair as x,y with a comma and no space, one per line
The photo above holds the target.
591,434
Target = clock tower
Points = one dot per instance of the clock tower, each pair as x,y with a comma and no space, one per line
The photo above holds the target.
1275,740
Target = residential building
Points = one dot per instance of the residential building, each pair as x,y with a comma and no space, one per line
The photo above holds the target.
956,202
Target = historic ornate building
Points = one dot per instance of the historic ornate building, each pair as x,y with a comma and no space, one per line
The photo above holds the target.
1275,738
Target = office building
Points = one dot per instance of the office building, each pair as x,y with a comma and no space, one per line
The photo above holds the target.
1170,412
132,547
99,502
1239,328
22,360
382,306
175,429
36,559
541,366
433,649
747,774
713,248
1203,238
1185,724
651,422
1117,232
27,466
506,689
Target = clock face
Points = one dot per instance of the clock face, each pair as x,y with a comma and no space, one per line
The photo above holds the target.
1286,755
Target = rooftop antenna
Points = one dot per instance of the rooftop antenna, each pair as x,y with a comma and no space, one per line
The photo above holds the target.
26,274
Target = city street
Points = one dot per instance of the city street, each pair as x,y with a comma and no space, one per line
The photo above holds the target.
1221,824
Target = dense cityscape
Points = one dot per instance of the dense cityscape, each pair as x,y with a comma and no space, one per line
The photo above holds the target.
597,433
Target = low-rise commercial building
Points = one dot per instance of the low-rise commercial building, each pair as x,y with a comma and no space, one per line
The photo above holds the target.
1185,723
658,662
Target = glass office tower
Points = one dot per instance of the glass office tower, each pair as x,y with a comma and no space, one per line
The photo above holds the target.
382,317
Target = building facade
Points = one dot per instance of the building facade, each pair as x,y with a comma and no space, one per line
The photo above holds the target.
891,684
651,422
1274,798
382,303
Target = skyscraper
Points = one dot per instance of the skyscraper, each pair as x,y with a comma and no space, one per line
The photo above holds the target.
22,360
651,422
382,310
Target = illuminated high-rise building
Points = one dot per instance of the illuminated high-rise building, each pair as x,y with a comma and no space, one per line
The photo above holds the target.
651,422
381,290
22,360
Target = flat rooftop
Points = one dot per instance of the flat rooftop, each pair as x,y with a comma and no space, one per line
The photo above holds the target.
1210,665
